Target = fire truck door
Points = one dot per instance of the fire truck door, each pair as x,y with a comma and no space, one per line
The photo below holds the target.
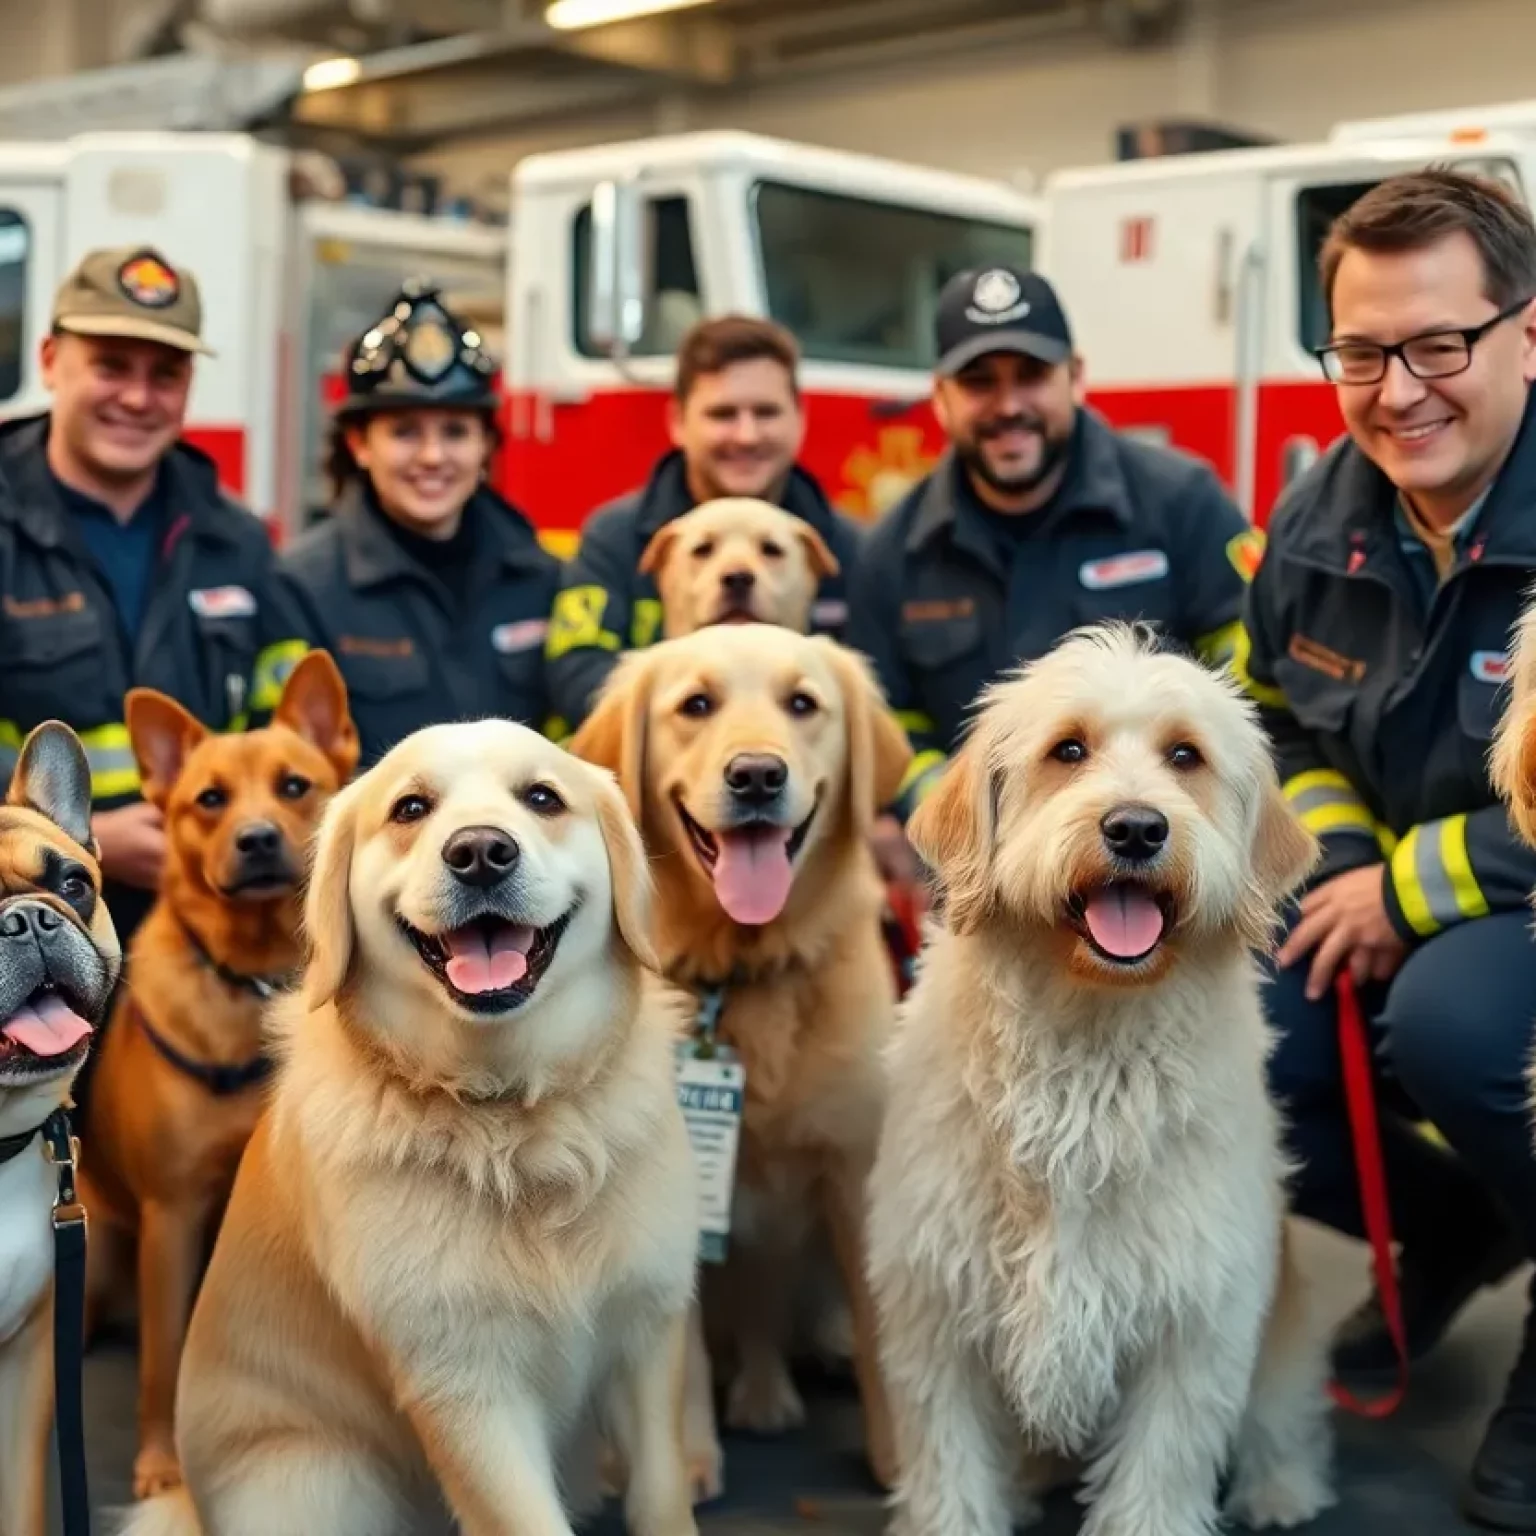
30,254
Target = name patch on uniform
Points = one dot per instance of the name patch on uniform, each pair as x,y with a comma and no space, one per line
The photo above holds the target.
936,611
1322,658
1490,666
222,603
523,635
1123,570
829,613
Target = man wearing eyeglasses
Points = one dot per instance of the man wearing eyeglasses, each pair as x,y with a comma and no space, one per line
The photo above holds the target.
1377,630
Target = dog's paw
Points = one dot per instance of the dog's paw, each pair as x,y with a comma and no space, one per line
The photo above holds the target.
706,1471
1281,1500
155,1470
763,1399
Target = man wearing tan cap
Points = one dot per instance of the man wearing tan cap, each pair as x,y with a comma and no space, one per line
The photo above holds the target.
125,565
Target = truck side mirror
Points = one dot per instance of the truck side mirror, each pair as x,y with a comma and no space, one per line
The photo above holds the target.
616,277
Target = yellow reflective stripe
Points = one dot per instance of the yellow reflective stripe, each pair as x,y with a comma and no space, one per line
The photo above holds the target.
108,750
1325,801
273,665
1218,648
645,622
1261,693
576,623
915,723
921,775
1432,875
558,729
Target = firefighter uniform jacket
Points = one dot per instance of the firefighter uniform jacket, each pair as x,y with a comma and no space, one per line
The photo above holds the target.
1381,701
412,652
606,606
1136,532
215,636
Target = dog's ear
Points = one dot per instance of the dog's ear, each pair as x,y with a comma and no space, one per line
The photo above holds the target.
878,750
631,875
328,927
1512,763
613,734
164,736
656,553
817,553
1284,852
314,706
53,778
953,831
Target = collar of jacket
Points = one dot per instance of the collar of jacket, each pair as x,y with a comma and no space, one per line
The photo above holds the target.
373,558
1345,504
666,495
1094,482
29,495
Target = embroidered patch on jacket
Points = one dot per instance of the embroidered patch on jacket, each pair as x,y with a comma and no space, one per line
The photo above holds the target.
222,602
1320,658
523,635
1246,552
1490,666
937,611
365,645
1130,570
829,613
43,607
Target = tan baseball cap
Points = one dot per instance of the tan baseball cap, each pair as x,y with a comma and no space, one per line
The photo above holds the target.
132,291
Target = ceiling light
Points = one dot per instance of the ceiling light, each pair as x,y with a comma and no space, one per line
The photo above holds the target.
572,15
331,74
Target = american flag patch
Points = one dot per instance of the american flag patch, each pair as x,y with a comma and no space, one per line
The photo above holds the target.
222,603
520,636
1123,570
1490,666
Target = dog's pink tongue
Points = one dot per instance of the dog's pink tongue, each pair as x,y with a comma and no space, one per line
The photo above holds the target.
49,1029
752,873
477,963
1124,921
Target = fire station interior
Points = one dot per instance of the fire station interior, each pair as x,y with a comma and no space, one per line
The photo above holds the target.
407,125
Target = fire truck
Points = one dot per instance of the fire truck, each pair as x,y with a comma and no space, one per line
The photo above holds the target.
609,255
1193,289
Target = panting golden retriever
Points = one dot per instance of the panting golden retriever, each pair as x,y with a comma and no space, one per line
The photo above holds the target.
736,560
1077,1217
755,760
470,1214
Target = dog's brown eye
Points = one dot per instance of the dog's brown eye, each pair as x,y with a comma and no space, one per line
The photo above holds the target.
541,798
213,798
75,887
409,808
696,705
703,551
802,704
1069,751
1185,756
293,787
773,551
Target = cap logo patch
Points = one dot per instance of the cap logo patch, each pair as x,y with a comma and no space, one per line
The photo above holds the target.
148,282
996,299
431,348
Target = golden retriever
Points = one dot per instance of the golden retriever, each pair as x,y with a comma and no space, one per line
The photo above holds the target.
736,560
1077,1215
754,760
471,1209
1513,760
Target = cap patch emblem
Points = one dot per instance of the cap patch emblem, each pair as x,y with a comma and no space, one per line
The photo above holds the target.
148,282
995,299
431,348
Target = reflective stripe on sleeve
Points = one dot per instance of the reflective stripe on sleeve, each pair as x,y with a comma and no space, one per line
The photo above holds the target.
576,623
1432,875
1261,693
1324,802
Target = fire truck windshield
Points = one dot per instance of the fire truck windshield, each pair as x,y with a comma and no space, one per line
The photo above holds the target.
857,280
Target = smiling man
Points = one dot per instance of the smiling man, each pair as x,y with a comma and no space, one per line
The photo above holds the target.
1377,630
123,563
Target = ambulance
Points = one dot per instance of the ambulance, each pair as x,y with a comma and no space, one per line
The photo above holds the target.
1192,281
609,255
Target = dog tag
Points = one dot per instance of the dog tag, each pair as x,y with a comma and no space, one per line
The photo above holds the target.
710,1091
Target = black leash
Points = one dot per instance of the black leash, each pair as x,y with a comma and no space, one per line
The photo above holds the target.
69,1239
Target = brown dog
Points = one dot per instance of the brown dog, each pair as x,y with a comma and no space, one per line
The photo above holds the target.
736,560
179,1084
59,960
754,760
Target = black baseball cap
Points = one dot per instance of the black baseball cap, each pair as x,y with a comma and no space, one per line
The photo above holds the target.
999,309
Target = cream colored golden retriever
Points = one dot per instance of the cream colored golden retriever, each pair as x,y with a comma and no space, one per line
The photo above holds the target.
471,1210
1514,745
1077,1233
736,560
755,760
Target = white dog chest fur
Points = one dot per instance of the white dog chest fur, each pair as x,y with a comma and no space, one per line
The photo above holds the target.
26,1242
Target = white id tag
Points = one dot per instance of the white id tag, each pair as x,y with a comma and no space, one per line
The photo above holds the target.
711,1092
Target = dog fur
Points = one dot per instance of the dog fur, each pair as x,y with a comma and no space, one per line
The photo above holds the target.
810,992
467,1214
1077,1215
735,560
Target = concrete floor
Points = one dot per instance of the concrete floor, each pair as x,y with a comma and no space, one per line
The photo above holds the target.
1397,1478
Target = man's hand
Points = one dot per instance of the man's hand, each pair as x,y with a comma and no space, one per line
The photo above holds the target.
132,840
1345,919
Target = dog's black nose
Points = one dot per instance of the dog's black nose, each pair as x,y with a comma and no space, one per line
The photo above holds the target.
756,777
480,855
738,583
1134,832
258,839
29,917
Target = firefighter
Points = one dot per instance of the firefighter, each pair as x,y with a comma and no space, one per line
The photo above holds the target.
1039,518
1375,641
124,564
737,424
431,591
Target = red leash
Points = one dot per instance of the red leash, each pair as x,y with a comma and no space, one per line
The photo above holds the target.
1360,1099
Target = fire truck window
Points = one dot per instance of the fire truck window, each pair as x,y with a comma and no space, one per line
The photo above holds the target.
1316,209
857,281
15,245
672,303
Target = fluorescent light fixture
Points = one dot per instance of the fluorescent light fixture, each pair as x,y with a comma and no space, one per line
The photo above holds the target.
331,74
573,15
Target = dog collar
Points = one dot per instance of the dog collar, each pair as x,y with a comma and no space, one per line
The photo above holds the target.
263,987
220,1079
11,1147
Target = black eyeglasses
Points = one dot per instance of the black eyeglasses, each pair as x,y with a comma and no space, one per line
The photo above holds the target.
1435,355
